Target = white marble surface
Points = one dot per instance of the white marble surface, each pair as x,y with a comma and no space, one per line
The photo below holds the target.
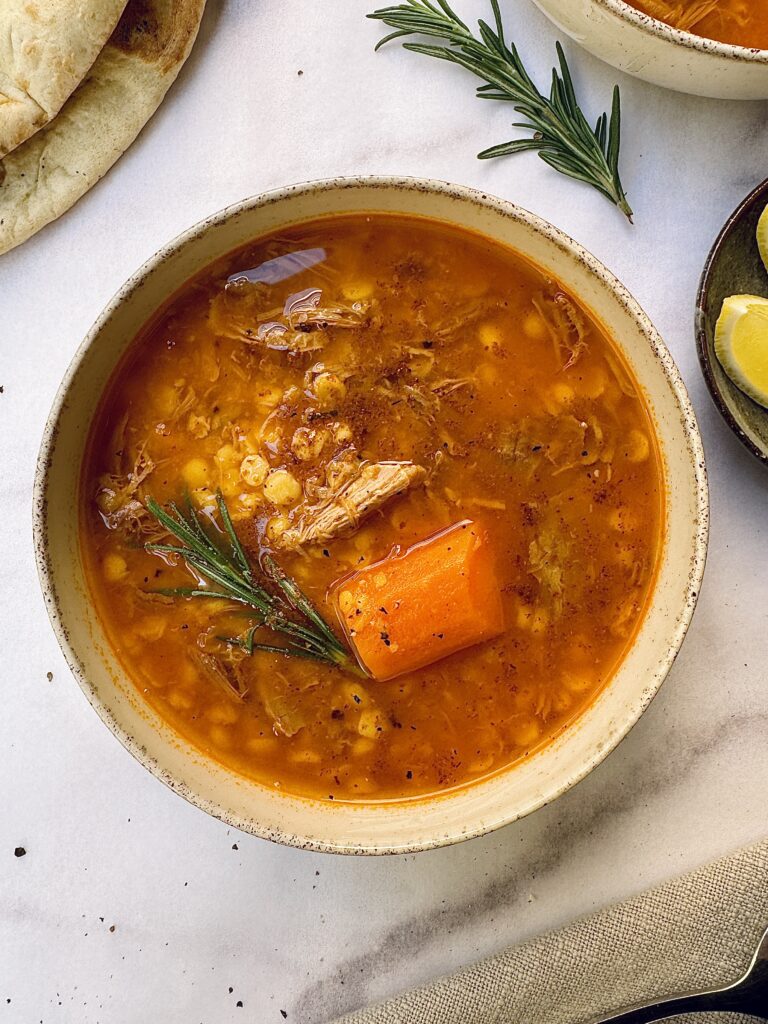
204,917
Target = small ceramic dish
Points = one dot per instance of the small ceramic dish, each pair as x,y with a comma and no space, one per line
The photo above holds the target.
387,826
651,50
733,267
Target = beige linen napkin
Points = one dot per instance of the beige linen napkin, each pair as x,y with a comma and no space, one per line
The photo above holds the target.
693,933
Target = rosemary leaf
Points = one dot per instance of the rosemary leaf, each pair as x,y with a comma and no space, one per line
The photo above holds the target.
285,611
562,136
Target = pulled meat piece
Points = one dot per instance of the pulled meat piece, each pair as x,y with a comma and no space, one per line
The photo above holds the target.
566,326
559,439
119,494
225,675
354,491
300,326
548,555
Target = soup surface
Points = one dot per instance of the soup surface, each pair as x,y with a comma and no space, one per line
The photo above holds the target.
741,22
412,410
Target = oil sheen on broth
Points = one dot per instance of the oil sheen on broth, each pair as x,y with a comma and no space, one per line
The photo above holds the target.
307,360
740,22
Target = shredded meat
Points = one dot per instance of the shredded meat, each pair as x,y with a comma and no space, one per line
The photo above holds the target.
353,492
300,326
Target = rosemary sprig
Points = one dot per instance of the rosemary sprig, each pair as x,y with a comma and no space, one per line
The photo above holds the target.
562,135
284,609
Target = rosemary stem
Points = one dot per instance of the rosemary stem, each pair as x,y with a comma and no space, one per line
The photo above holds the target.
562,136
284,610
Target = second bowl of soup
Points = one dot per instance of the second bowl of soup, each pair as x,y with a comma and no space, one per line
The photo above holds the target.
388,519
716,48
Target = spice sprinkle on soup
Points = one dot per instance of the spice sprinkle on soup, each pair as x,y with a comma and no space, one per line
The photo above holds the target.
371,508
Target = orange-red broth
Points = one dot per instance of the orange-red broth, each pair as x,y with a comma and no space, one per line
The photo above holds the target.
546,442
739,22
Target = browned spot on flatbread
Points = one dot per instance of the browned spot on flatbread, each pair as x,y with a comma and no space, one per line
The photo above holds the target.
157,31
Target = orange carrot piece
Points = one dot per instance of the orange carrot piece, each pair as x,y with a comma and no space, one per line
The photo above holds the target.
413,608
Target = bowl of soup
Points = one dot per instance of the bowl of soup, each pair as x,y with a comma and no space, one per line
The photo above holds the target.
371,514
715,48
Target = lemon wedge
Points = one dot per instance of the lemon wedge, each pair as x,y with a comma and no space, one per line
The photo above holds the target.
762,237
741,344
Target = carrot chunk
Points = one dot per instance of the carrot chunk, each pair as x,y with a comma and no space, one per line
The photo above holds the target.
415,607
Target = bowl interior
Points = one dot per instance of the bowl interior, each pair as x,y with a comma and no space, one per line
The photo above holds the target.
395,826
734,267
681,37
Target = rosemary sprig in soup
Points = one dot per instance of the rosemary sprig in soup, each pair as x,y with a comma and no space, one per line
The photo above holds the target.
562,135
285,611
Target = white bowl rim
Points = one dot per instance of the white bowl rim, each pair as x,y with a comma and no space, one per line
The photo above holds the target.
652,26
46,573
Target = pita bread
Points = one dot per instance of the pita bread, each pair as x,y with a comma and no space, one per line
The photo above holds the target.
46,48
48,173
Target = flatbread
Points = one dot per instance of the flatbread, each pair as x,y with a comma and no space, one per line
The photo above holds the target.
46,49
48,173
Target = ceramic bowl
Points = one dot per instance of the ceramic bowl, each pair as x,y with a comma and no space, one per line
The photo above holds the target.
733,267
642,46
387,827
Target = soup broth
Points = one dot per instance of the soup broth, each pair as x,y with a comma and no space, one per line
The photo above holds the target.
740,22
444,451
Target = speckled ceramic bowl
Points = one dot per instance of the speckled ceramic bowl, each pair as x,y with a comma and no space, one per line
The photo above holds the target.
392,826
733,267
642,46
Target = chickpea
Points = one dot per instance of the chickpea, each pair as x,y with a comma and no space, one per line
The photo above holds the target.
562,701
370,724
254,470
195,473
592,382
540,620
305,757
482,763
535,620
246,505
268,398
490,335
577,683
342,432
356,291
526,734
563,393
329,389
221,714
363,746
534,327
166,399
488,374
220,736
262,745
355,695
180,699
115,568
204,498
225,455
151,627
198,426
282,487
637,447
307,443
622,519
107,500
277,526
